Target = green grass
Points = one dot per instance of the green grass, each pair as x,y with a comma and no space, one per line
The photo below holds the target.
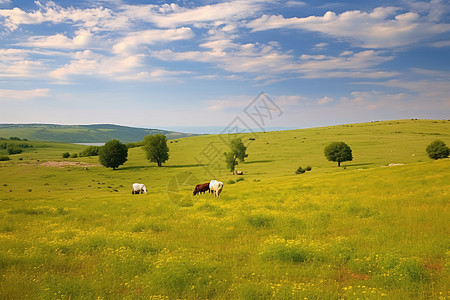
363,231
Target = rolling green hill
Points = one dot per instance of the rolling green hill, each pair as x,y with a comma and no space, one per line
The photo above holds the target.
70,228
82,133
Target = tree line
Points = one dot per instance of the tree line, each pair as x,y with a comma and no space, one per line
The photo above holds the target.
114,153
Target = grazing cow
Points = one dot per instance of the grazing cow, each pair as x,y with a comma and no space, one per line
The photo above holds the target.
139,188
215,187
201,188
238,172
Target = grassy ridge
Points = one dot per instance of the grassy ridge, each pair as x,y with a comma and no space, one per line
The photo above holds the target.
362,232
82,133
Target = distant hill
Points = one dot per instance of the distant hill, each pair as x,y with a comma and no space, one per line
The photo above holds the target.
99,133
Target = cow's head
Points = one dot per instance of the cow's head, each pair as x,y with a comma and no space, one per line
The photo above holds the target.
144,190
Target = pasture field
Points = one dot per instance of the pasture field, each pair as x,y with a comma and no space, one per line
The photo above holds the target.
361,231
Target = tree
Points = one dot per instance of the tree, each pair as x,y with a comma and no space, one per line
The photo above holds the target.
113,154
155,146
437,150
237,152
338,152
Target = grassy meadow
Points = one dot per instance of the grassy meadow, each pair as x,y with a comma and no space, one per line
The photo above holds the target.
361,231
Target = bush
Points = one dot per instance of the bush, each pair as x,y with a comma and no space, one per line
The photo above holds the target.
66,155
300,170
437,150
13,149
90,151
74,155
4,158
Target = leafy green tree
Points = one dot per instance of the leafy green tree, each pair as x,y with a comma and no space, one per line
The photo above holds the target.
437,150
338,152
155,146
236,153
66,155
113,154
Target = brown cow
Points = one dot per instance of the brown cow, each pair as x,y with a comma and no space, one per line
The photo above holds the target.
201,188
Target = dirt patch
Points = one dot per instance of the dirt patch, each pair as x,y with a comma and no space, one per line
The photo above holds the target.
62,164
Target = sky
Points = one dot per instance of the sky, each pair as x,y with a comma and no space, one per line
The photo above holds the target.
205,66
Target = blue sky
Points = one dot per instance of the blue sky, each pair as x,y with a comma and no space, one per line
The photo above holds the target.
199,64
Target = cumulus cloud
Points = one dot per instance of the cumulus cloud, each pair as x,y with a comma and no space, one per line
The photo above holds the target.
266,61
98,18
82,39
172,15
146,37
384,27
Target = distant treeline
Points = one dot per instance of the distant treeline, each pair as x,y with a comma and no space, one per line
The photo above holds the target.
13,138
94,150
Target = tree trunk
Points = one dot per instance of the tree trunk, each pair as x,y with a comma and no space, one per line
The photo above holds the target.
339,163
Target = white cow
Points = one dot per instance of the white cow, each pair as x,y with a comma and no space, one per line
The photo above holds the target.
139,188
215,187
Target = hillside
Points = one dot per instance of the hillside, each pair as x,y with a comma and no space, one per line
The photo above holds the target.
70,228
82,133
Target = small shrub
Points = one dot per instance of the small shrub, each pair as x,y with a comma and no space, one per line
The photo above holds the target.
239,179
66,155
231,181
74,155
300,170
4,158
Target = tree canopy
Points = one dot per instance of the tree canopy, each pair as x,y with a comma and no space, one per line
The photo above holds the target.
338,152
113,154
155,146
236,153
437,150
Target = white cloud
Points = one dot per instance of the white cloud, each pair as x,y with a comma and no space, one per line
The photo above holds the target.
169,16
6,95
133,40
88,63
15,63
82,40
324,100
266,62
381,28
94,19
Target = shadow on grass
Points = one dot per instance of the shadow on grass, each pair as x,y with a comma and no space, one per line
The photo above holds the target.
358,165
258,162
186,166
162,167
